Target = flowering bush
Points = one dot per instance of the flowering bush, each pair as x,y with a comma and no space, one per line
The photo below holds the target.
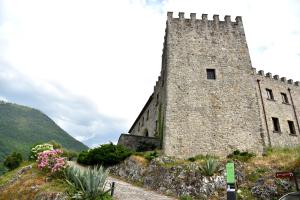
51,160
38,149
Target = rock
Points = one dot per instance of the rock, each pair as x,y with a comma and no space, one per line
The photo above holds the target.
264,191
51,196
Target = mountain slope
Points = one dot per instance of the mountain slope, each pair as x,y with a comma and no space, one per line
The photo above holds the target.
21,127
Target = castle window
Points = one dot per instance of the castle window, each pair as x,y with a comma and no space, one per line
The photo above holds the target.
270,94
276,126
284,98
143,121
147,115
292,127
157,99
139,127
211,73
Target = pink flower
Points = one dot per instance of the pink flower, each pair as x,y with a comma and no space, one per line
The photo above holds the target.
51,160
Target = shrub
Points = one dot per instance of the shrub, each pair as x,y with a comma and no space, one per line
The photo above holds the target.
242,156
192,159
51,160
38,149
106,155
151,155
83,158
209,167
87,183
13,161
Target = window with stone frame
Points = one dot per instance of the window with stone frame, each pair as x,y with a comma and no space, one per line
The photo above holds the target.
211,74
292,127
270,94
276,125
284,98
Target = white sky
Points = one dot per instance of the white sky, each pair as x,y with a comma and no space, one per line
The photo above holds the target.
91,65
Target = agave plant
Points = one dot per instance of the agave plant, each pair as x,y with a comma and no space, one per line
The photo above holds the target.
209,167
88,182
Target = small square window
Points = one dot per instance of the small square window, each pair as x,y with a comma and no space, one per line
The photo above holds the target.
284,98
270,94
211,73
276,126
292,127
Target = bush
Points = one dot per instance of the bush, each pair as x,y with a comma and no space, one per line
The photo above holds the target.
209,167
151,155
106,155
13,161
242,156
51,160
87,183
38,149
83,158
192,159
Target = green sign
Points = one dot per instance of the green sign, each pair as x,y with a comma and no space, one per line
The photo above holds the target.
230,173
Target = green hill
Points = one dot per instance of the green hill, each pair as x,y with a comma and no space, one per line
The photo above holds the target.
21,127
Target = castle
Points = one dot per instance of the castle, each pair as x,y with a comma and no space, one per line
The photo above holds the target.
210,100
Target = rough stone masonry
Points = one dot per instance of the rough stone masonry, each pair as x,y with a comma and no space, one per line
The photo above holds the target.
210,100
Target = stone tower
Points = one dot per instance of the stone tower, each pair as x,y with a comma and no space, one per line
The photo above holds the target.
211,103
209,99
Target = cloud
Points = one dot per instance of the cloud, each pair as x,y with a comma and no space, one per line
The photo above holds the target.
76,114
92,65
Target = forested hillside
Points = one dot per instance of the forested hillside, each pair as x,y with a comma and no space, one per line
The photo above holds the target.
21,127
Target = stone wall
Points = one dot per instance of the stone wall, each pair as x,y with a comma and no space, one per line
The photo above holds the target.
284,111
209,116
134,141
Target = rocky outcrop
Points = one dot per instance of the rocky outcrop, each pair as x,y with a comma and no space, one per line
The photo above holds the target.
168,176
177,180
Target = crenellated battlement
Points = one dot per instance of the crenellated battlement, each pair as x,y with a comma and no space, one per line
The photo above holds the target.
204,19
276,77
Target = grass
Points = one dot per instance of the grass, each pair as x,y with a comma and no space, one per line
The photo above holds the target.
282,158
30,184
10,174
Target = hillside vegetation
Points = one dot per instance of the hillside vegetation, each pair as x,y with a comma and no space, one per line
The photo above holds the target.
21,127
